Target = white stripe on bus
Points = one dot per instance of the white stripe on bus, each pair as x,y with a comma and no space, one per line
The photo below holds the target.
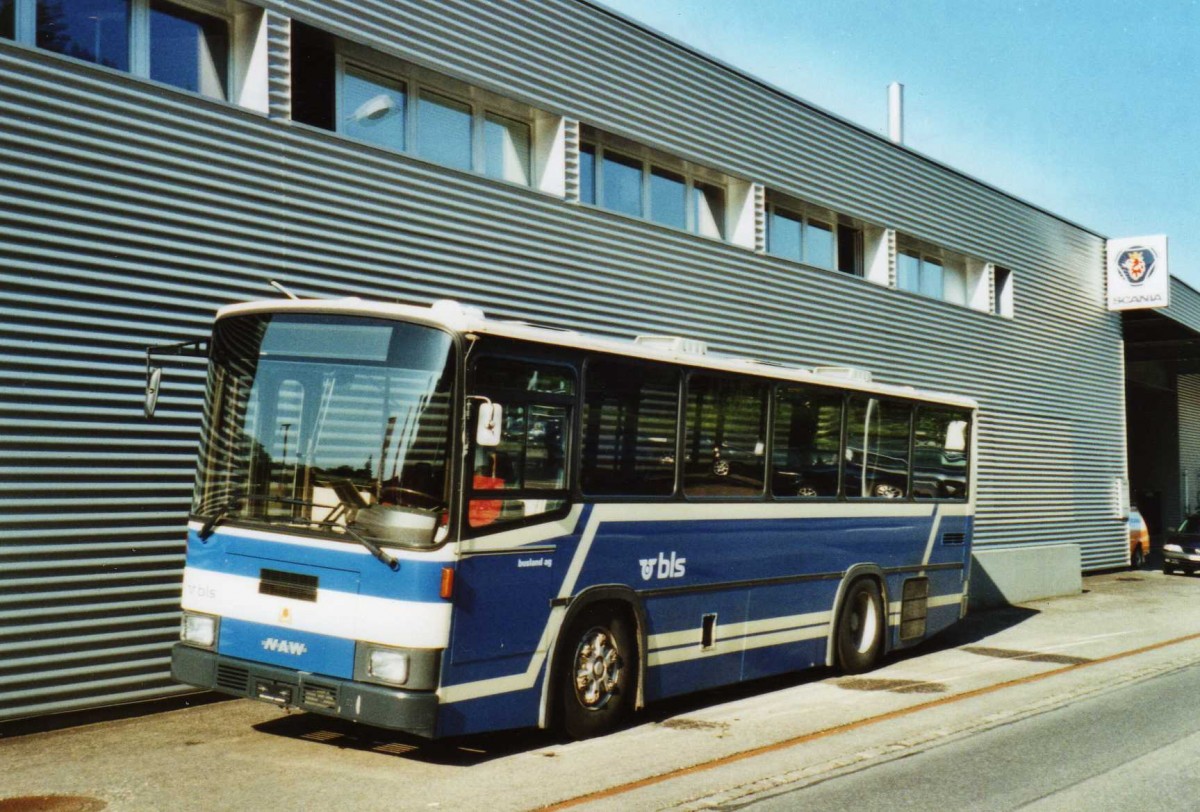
744,628
736,644
409,624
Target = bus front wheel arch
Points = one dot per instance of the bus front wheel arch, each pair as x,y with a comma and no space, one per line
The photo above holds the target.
861,625
597,671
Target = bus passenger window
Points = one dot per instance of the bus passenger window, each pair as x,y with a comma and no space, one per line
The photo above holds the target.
630,426
808,436
877,449
941,441
725,449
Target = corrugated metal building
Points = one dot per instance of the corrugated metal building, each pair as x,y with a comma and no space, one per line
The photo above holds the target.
510,154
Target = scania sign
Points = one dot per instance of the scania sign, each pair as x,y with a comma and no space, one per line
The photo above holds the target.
1137,273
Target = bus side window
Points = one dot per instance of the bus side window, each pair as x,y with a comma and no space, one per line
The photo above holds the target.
877,448
630,428
808,438
726,437
941,440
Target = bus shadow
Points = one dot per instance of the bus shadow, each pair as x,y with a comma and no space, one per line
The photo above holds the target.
977,627
480,748
456,752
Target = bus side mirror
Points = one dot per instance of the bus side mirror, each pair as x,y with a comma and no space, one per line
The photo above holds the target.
488,426
153,382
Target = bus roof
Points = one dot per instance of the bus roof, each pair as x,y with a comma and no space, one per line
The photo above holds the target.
464,319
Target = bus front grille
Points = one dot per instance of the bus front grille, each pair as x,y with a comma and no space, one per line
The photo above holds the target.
320,696
233,678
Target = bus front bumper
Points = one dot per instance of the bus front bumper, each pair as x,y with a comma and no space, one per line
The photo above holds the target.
411,711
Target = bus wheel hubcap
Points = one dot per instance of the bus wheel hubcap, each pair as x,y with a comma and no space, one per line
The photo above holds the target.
597,669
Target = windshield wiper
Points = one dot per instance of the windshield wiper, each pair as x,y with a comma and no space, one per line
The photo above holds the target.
212,521
371,546
375,549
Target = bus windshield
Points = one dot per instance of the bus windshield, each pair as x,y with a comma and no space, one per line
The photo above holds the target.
335,424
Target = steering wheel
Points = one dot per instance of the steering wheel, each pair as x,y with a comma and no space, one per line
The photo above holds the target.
411,497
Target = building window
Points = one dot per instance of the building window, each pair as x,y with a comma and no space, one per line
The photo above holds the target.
1002,292
166,42
506,149
813,238
314,81
668,198
631,179
93,30
942,274
587,174
444,130
709,210
621,182
8,19
373,108
189,50
785,234
919,274
392,104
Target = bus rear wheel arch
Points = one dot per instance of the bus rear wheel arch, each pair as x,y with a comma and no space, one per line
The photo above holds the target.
596,671
861,626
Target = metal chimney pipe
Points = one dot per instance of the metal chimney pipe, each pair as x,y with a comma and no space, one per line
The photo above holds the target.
896,112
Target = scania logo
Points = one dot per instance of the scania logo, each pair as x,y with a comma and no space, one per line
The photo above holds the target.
284,646
1137,264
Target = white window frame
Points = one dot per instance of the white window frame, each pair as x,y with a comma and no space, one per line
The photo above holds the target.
139,41
237,70
415,81
923,256
976,275
652,159
808,213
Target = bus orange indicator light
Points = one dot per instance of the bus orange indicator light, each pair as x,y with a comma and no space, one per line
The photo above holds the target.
447,582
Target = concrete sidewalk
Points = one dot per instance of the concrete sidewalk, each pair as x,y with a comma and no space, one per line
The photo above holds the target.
247,754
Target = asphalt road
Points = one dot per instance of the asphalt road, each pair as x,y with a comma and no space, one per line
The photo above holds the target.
1136,747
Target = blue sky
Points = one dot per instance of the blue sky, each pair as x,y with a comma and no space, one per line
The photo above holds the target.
1087,108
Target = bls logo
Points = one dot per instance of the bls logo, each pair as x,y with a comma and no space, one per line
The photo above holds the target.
662,567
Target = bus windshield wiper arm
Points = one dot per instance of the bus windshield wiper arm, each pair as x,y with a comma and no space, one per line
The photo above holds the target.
212,521
375,549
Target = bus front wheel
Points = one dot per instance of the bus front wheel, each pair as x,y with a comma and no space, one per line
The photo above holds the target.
861,623
597,673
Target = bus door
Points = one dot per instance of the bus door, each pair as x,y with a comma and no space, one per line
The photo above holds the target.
517,502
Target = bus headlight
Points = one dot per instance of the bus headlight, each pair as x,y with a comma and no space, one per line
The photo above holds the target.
198,630
388,665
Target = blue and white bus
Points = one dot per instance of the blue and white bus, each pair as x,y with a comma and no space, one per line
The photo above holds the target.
430,521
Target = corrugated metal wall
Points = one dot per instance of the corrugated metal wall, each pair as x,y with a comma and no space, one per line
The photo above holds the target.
1185,305
128,213
1189,448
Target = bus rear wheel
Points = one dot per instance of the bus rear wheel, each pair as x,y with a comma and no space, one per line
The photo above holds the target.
861,623
597,673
